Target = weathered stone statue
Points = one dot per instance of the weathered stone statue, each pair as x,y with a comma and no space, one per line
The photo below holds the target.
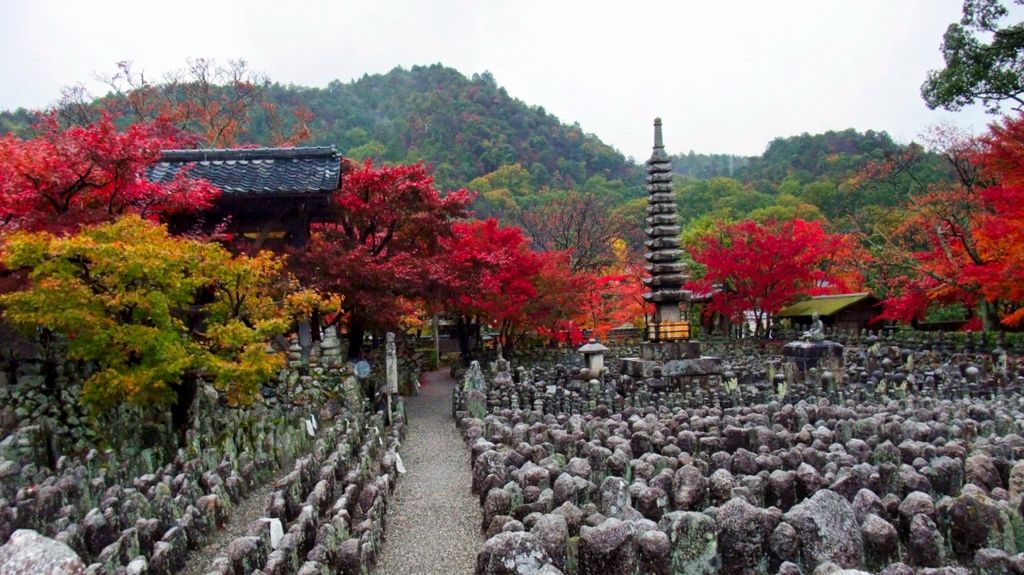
817,331
391,363
474,378
473,383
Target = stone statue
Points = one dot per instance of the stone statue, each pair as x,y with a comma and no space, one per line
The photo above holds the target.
817,331
474,378
391,363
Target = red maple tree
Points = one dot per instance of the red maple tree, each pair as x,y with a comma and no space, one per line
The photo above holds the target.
762,267
64,178
1000,222
492,276
384,244
611,300
960,243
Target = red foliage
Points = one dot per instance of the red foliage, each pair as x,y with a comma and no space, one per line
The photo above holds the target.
966,242
63,179
612,300
764,267
491,273
1000,226
385,243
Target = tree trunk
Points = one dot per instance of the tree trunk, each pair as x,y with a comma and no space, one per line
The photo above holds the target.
462,333
185,392
987,312
356,331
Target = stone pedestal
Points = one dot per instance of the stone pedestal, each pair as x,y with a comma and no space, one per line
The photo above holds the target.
675,358
669,350
806,354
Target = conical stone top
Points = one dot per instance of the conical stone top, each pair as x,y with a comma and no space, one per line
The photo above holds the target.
664,256
659,154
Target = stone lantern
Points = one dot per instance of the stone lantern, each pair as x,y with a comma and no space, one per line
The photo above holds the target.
593,357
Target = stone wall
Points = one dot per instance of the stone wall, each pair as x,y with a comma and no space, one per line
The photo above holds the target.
41,419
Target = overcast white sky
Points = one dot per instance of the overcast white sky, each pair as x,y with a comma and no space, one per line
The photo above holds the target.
726,76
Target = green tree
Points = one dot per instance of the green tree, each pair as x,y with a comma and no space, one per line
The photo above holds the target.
154,312
984,57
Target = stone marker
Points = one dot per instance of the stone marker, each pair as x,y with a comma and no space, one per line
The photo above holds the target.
29,553
391,364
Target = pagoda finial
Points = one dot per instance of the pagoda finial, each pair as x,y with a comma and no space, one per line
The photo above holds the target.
659,155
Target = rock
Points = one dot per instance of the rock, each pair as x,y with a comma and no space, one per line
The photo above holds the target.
29,553
827,529
578,467
98,532
898,569
497,502
981,470
608,549
348,562
655,552
945,474
137,566
924,543
246,553
651,502
783,545
693,538
1016,481
881,541
993,562
915,503
689,488
573,517
613,497
511,553
788,568
782,489
865,502
743,532
552,531
975,522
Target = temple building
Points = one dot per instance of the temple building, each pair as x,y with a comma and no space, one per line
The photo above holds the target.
267,194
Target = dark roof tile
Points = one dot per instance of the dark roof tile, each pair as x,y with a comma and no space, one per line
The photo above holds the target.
258,171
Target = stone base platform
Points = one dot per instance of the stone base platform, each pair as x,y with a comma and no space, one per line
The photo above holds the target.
806,354
669,350
704,366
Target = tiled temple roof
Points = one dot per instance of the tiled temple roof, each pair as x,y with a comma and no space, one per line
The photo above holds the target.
257,171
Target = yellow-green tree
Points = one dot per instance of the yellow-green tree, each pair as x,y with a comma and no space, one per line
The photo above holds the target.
154,312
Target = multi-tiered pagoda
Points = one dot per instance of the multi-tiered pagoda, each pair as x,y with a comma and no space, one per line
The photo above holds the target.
664,258
668,352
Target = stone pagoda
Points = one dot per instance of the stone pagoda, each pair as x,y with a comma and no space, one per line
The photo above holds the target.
664,258
667,338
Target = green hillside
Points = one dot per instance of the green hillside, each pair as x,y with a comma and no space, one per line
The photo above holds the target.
519,156
464,127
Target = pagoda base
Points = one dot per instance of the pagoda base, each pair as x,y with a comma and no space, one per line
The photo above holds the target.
669,350
677,359
807,354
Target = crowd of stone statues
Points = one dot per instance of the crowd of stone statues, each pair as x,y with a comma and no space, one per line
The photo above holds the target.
896,460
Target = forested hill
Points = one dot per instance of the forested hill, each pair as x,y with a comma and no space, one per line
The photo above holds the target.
807,157
464,127
473,133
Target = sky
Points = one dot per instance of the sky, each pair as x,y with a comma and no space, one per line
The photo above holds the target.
726,76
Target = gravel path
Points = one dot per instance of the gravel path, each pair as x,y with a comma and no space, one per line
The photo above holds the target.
433,522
